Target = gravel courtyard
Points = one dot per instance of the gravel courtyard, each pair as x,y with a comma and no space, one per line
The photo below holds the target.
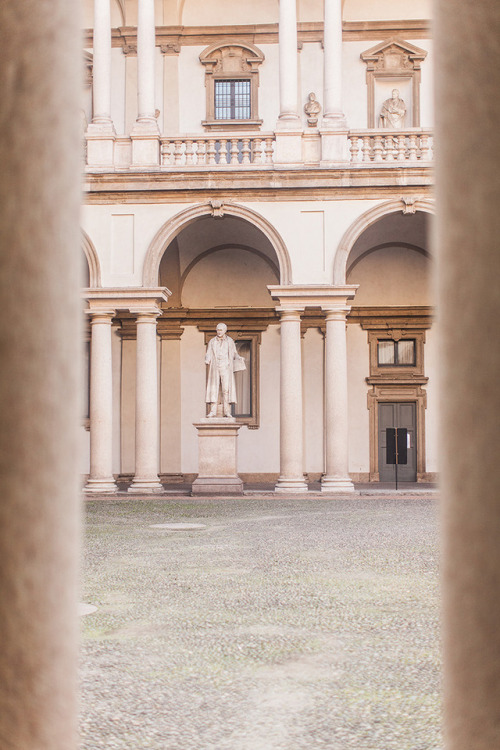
278,624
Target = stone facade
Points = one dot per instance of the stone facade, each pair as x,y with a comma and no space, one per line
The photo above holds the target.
211,194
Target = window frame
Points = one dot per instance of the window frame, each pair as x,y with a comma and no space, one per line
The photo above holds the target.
396,362
226,62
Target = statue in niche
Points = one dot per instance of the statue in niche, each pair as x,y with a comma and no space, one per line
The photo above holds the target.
312,108
392,114
223,361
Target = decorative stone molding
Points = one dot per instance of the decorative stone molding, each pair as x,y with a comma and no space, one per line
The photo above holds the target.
231,61
170,48
88,68
184,218
217,209
398,61
129,49
409,204
92,260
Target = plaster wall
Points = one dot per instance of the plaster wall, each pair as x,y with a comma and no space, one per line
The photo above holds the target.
357,389
312,257
392,276
367,10
221,12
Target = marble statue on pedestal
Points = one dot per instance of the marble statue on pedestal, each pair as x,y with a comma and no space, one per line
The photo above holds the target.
223,361
392,114
312,109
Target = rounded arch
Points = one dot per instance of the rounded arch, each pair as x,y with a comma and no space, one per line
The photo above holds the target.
171,229
92,260
366,220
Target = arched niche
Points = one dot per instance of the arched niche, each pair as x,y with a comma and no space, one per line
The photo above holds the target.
407,207
273,243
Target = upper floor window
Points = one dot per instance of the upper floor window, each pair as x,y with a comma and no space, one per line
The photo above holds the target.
232,99
232,83
396,353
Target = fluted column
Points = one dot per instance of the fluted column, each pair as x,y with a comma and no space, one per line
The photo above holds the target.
332,107
146,407
288,67
101,409
291,477
336,478
101,78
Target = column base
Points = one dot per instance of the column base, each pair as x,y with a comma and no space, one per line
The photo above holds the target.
334,147
288,149
290,485
145,486
336,485
145,138
217,486
100,485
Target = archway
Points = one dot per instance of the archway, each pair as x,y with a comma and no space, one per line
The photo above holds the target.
217,210
92,274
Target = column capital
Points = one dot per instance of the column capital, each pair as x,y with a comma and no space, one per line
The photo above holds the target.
100,316
336,313
147,316
289,313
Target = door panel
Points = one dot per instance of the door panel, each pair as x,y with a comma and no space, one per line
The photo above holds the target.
397,414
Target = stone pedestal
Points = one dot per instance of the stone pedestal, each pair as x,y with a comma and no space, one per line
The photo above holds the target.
217,457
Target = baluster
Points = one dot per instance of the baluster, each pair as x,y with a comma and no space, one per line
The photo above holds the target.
367,148
200,151
354,148
178,152
189,151
412,148
234,151
269,150
424,147
401,147
246,151
223,151
377,148
211,151
389,148
256,155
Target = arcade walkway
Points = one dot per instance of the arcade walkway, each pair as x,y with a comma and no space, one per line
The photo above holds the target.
275,623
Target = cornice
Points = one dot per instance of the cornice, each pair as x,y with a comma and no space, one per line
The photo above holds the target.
172,38
316,184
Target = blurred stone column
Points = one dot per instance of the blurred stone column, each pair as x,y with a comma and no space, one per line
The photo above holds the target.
467,108
40,378
145,135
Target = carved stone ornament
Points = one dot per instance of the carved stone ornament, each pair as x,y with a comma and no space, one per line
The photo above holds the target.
88,62
217,209
312,108
409,204
129,49
171,48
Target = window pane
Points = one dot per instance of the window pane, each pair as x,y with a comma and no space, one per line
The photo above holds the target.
232,100
406,352
243,381
385,351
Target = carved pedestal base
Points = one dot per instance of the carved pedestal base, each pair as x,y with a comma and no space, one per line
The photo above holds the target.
217,457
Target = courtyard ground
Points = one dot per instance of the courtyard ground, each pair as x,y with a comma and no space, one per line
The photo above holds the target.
278,623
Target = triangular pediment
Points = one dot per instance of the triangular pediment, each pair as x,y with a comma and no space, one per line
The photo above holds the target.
394,54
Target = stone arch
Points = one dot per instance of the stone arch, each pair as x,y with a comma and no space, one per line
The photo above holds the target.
92,260
171,229
366,220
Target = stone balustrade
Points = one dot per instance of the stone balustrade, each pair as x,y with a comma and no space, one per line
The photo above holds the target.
223,149
375,146
411,147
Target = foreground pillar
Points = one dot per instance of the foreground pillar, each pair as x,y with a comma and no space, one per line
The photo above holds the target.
468,228
101,405
336,477
291,477
40,374
146,410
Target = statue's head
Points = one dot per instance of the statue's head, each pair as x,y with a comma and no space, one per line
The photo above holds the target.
395,94
221,329
312,97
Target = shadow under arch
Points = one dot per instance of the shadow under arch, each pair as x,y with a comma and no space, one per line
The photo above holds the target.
363,222
173,226
92,260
